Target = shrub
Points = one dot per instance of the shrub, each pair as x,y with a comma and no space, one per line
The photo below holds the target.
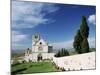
62,53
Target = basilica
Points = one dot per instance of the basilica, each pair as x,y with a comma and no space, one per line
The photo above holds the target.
41,50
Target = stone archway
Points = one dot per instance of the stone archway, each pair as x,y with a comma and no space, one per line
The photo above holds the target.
39,57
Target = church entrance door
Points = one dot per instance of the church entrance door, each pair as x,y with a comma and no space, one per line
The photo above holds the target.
39,57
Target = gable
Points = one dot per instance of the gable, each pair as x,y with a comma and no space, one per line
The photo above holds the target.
41,42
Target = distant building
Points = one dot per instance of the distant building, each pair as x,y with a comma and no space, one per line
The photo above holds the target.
40,50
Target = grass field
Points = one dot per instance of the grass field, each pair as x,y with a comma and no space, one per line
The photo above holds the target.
33,67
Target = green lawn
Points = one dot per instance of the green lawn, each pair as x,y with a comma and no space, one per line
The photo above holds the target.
33,67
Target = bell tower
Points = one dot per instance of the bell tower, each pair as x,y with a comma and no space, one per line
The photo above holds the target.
35,38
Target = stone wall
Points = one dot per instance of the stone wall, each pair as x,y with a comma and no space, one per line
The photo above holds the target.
48,55
76,62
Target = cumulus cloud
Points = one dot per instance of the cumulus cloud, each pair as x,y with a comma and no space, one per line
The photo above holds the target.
92,19
30,14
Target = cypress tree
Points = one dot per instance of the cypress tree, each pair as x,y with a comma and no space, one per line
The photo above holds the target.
77,42
85,46
58,54
67,53
80,43
62,52
84,30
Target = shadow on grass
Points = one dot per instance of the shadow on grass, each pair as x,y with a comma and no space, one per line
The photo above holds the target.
18,71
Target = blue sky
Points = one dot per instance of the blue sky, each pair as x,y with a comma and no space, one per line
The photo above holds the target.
56,23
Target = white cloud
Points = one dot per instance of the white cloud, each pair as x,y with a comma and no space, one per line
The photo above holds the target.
17,36
30,14
92,19
18,39
92,42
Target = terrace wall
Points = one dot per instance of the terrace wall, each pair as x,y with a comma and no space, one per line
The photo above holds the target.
76,62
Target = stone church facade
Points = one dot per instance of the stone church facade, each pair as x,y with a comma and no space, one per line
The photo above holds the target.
41,50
